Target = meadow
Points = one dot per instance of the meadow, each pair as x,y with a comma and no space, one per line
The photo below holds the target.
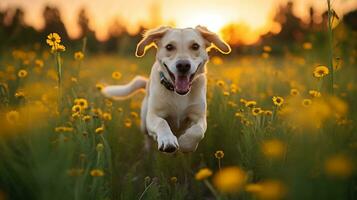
277,128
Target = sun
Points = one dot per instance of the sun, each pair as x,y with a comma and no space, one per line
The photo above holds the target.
213,22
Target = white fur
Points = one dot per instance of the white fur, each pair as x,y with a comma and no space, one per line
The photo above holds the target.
174,121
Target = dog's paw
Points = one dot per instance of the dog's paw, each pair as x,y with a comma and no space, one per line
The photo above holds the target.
189,142
167,143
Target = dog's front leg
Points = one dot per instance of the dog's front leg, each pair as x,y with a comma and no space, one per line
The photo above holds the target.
191,138
166,140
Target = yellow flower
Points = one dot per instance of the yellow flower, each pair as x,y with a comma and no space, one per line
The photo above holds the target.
278,101
99,86
230,179
107,116
134,115
203,174
39,63
320,71
267,48
225,93
99,130
306,102
78,55
20,94
82,102
127,123
273,148
116,75
268,112
173,180
294,92
219,154
269,189
256,111
307,45
314,93
22,73
250,104
86,118
53,39
12,117
220,83
339,166
76,109
216,60
58,47
96,173
265,55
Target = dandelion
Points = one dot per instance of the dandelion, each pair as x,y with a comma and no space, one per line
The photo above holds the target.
225,93
230,179
339,166
99,130
273,148
278,101
96,173
203,173
306,102
12,117
256,111
116,75
78,55
294,92
239,115
53,39
320,71
22,73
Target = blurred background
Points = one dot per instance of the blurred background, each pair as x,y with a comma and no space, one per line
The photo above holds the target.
116,25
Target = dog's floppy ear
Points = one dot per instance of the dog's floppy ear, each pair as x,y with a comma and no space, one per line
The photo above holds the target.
149,38
214,40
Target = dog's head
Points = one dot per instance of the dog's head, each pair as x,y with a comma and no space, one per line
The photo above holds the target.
182,53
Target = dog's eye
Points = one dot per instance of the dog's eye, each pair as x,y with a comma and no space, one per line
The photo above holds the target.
169,47
195,46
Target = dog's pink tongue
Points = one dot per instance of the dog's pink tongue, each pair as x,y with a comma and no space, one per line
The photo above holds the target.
182,84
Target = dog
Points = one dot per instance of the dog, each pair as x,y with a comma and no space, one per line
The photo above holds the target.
173,111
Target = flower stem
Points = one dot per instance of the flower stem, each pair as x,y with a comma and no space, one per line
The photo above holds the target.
330,39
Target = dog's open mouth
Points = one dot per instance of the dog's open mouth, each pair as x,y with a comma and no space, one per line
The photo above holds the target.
182,83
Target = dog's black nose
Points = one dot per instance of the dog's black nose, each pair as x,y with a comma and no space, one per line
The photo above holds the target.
183,66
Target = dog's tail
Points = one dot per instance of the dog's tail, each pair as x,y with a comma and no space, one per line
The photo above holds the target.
119,92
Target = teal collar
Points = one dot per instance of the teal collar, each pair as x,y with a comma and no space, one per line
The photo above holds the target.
166,83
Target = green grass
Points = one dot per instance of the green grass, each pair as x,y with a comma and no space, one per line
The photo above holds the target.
39,163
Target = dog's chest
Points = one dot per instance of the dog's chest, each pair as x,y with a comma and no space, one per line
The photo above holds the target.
178,114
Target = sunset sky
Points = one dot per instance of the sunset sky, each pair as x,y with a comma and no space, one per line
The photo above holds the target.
212,13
